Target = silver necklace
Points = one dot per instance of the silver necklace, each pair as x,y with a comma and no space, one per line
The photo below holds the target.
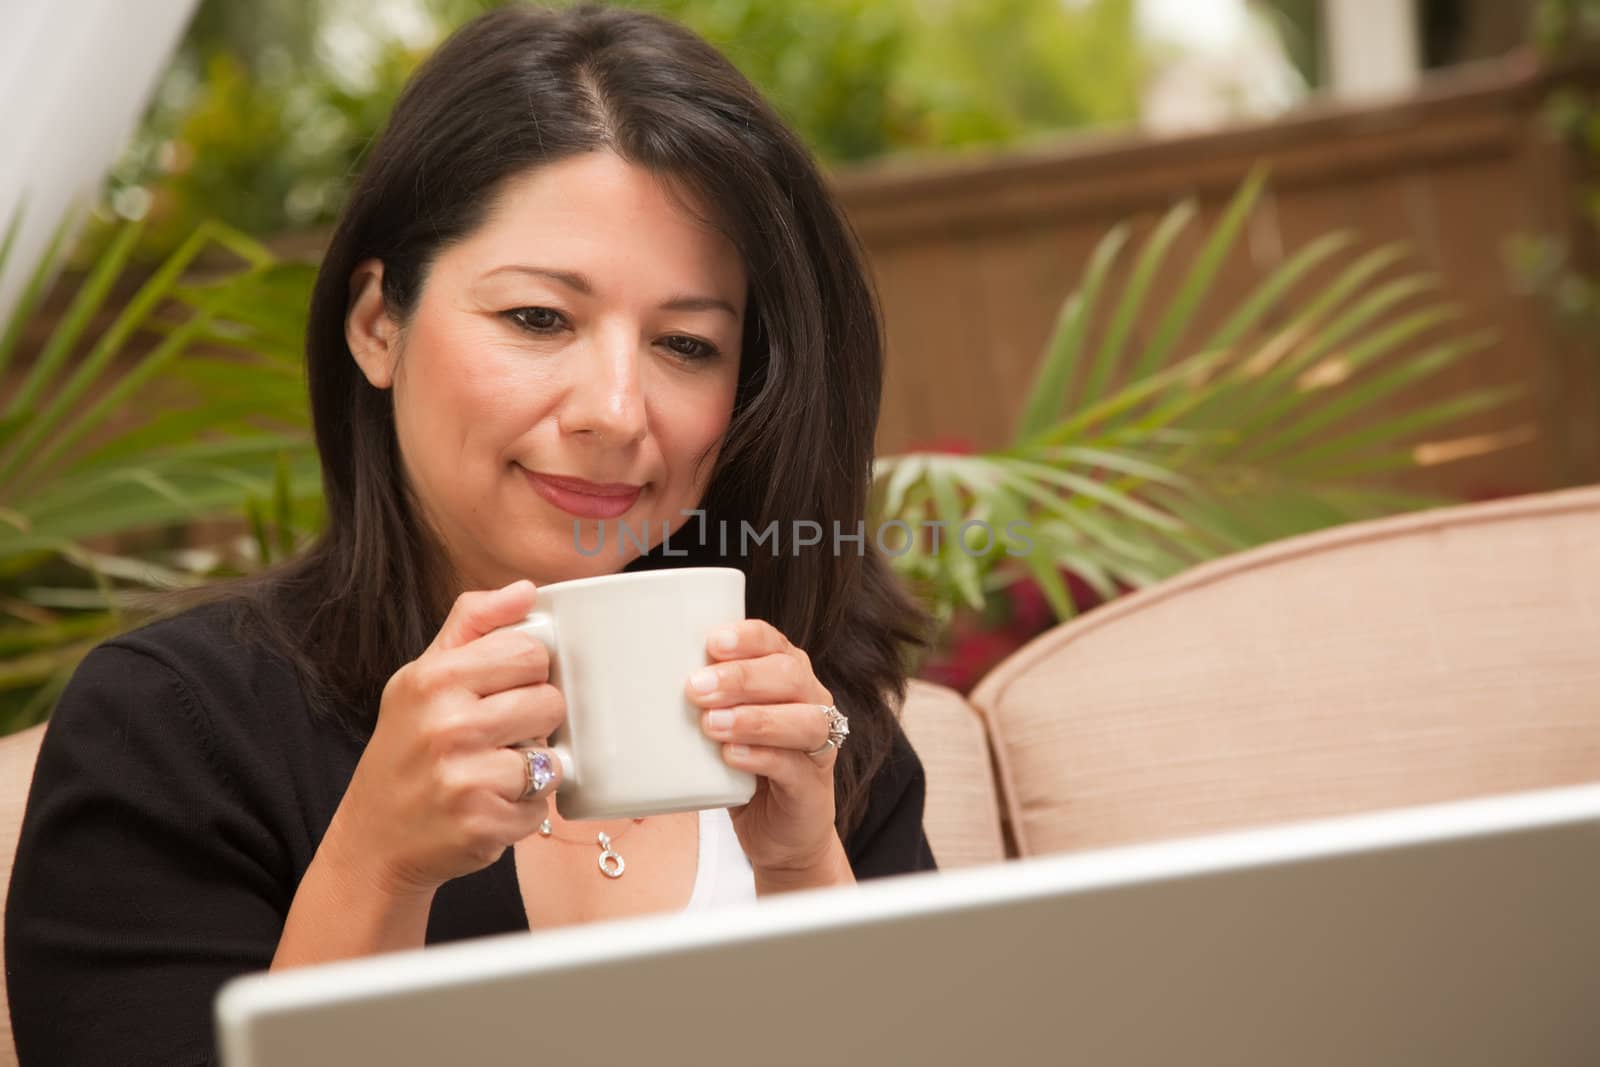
611,862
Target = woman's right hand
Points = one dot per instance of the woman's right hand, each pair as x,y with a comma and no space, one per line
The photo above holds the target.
436,793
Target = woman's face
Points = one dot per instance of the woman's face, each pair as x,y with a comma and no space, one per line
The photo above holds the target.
571,363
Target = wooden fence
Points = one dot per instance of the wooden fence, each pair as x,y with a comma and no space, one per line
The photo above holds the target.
972,259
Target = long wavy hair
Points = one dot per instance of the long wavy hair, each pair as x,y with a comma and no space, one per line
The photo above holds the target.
518,88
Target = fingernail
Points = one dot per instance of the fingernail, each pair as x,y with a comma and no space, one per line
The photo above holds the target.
739,751
724,640
703,680
719,720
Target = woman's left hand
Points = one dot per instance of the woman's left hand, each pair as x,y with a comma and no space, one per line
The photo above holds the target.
766,706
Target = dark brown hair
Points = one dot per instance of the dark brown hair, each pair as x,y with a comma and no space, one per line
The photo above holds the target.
518,88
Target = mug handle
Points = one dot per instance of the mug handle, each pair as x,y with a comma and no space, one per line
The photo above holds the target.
542,626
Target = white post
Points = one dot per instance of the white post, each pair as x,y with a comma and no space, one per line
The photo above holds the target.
1372,47
75,78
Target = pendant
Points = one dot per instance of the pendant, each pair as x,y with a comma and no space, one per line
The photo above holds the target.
607,856
611,863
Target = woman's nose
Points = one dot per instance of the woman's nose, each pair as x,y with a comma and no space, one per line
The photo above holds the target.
607,397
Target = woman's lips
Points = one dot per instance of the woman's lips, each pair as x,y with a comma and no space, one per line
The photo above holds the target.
586,500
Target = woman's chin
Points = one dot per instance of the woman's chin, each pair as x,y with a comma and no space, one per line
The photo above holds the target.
548,571
562,553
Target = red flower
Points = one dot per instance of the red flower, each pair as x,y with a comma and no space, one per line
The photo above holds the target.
968,659
976,642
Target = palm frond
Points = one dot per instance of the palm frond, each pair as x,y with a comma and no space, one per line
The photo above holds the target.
1129,466
186,405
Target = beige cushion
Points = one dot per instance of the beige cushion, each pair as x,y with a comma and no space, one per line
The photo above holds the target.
962,816
1416,659
17,755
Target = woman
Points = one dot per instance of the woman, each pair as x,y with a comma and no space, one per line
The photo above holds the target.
585,272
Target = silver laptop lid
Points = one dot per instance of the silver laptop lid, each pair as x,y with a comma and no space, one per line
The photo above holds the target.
1455,934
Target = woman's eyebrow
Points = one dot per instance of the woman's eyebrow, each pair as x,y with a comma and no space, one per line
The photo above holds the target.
580,283
570,279
699,303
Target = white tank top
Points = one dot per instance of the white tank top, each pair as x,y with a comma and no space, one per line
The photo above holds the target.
724,876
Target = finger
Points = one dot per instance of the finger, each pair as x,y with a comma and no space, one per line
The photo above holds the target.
779,678
802,727
527,714
792,773
745,639
481,612
504,659
503,772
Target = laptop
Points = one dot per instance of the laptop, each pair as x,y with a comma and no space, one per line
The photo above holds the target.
1458,934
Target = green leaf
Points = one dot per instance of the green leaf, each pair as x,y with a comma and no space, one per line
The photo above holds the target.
255,515
93,367
1267,295
1126,547
903,473
85,305
10,424
1130,397
1071,549
1208,519
1367,395
963,570
33,292
1319,337
1125,462
40,636
126,499
1051,584
283,506
1197,283
30,669
266,304
171,431
1145,269
1054,377
110,403
1316,461
251,451
1088,487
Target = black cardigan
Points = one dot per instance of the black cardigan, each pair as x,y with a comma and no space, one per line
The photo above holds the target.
181,790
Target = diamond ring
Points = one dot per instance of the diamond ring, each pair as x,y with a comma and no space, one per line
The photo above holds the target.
838,730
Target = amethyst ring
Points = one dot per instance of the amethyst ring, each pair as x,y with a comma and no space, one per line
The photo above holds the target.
541,772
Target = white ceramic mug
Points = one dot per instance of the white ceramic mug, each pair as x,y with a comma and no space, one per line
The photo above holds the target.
622,647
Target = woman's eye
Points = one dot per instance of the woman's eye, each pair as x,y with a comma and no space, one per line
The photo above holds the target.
536,320
690,347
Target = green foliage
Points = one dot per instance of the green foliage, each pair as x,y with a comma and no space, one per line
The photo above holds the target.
996,71
866,78
1299,26
1138,452
260,121
828,66
137,417
1567,273
255,123
1560,26
1132,462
